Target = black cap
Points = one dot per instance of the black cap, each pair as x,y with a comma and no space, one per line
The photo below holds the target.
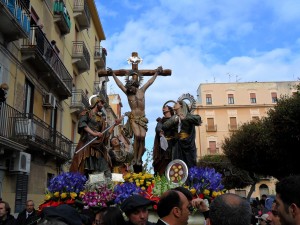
135,201
63,213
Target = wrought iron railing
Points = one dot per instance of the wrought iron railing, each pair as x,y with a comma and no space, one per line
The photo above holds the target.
79,4
80,49
20,10
46,50
31,130
79,99
60,8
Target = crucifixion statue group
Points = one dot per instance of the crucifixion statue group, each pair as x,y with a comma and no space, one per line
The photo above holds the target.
136,126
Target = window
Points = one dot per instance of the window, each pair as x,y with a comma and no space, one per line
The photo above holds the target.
232,123
211,125
208,99
212,147
252,97
230,99
29,93
274,97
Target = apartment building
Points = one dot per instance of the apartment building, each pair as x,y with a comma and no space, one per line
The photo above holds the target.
50,55
224,107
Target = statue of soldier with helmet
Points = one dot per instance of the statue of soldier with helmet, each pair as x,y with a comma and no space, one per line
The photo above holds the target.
94,157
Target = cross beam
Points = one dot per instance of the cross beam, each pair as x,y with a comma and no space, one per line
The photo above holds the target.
134,60
123,72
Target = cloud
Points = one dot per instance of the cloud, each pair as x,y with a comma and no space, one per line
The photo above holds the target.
204,41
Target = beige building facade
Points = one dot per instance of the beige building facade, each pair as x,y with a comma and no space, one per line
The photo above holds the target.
50,55
224,107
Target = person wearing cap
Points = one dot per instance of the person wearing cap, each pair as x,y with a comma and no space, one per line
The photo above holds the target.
60,215
94,157
136,209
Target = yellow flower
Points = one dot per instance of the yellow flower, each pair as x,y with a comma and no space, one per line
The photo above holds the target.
48,197
56,194
143,188
193,191
73,195
63,195
206,192
81,194
137,184
130,180
141,181
148,183
214,194
127,176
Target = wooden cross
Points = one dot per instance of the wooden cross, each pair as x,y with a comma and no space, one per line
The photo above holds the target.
134,60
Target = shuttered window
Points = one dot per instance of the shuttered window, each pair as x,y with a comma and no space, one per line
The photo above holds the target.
230,99
252,97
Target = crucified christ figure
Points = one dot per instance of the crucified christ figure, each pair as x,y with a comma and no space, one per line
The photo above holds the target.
136,100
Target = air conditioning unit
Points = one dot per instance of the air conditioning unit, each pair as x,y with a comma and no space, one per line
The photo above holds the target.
21,163
25,126
49,100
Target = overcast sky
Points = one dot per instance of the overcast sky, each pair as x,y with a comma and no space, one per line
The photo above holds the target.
201,41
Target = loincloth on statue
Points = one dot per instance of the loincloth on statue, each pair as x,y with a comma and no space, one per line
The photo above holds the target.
140,120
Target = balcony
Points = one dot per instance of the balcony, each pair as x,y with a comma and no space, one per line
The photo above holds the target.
61,17
96,87
100,57
80,56
212,128
233,127
79,101
103,94
31,131
213,151
15,19
38,54
82,14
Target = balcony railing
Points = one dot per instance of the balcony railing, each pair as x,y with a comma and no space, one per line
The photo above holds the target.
15,19
79,100
82,14
81,56
61,17
40,55
213,151
212,128
31,131
232,127
100,57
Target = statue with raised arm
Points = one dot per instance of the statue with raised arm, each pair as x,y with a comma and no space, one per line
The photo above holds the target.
137,122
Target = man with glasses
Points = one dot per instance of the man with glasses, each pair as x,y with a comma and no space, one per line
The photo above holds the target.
288,200
28,215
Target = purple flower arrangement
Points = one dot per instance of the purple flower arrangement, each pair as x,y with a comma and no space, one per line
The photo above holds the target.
205,180
101,196
67,182
125,190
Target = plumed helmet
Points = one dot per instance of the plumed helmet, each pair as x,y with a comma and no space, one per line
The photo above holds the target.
93,100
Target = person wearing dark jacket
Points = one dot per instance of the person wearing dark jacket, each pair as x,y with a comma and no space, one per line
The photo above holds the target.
28,216
136,209
5,217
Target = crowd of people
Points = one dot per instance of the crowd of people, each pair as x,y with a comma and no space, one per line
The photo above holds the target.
174,208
